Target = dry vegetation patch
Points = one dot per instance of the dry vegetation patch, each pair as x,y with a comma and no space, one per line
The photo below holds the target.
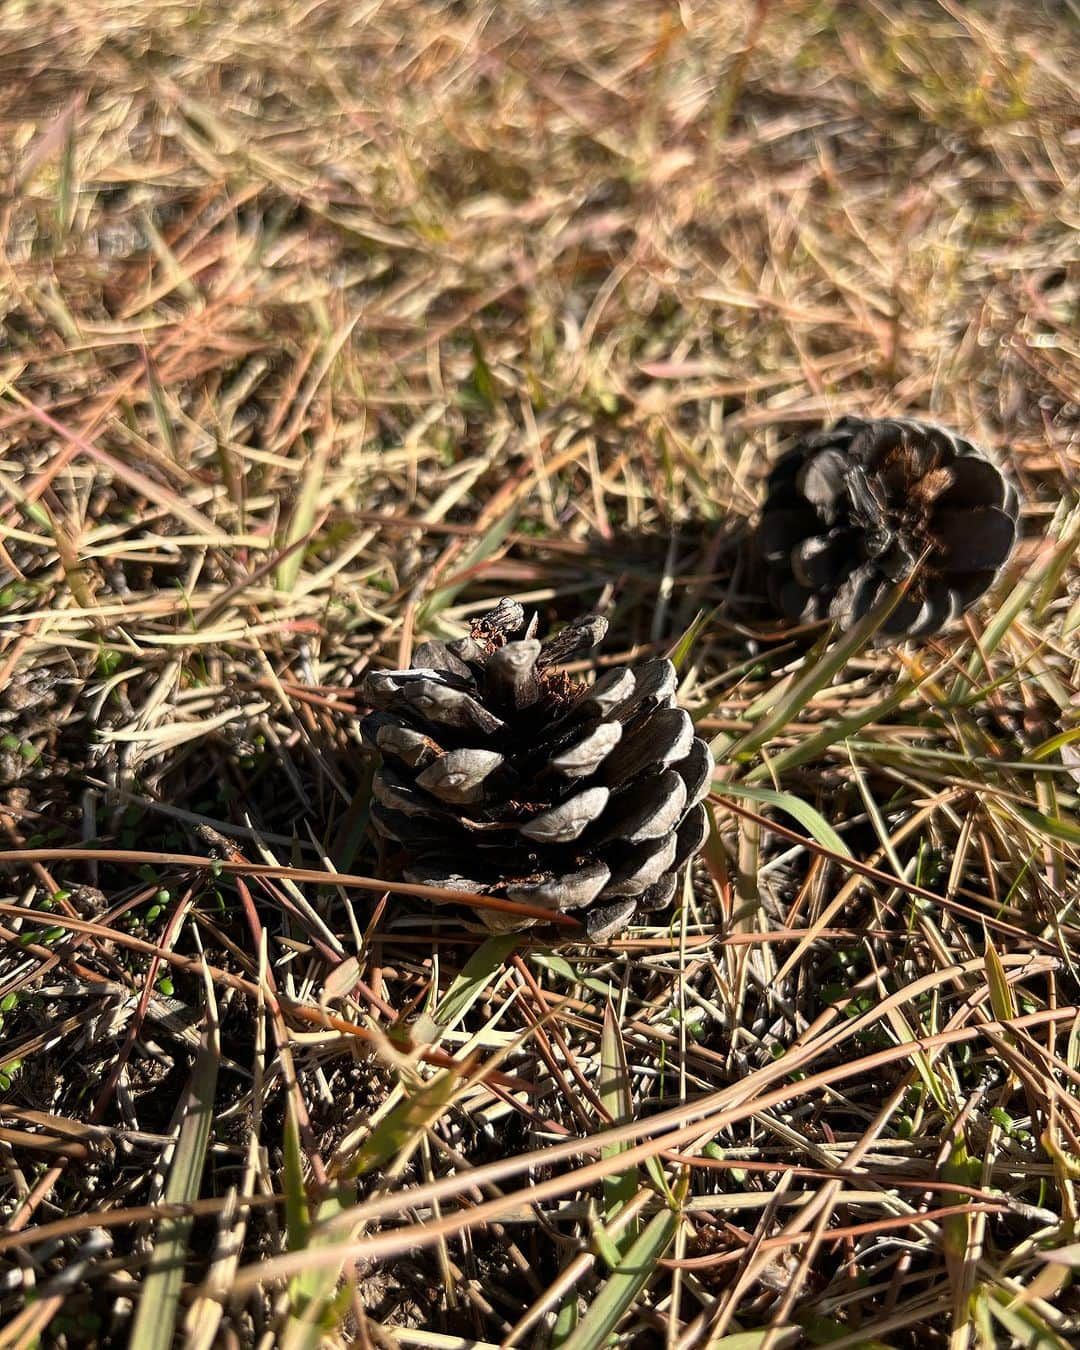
323,326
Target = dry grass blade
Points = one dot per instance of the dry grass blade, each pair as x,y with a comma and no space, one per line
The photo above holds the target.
323,328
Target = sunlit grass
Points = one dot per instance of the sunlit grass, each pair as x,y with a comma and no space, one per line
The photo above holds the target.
322,327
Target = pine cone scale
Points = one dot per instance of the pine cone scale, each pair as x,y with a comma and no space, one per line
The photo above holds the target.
583,757
437,656
649,809
609,692
661,738
973,539
642,866
818,562
692,833
459,776
568,821
974,483
571,891
822,481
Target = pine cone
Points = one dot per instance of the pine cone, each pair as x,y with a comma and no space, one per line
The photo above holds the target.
850,512
503,776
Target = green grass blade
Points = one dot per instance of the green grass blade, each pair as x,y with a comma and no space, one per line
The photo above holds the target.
1055,826
474,979
832,733
614,1089
605,1246
636,1269
303,516
67,186
297,1219
565,1322
155,1319
1053,745
685,644
485,964
1025,1326
560,966
486,545
816,675
312,1293
400,1130
163,415
808,817
1002,999
1065,530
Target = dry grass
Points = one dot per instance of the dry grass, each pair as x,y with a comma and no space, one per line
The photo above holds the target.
325,324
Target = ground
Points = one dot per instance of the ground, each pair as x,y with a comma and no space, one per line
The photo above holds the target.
324,326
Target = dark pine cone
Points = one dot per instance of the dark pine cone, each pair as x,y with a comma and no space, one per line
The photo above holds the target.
850,512
503,776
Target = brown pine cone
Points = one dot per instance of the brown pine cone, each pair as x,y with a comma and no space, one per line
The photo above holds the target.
501,775
851,511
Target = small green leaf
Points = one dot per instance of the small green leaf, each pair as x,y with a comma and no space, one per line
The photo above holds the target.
1001,994
819,1331
634,1272
614,1089
401,1129
811,819
485,964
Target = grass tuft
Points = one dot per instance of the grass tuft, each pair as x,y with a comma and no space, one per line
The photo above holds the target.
322,327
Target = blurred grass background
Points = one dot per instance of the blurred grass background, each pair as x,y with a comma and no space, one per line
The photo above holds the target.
325,323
